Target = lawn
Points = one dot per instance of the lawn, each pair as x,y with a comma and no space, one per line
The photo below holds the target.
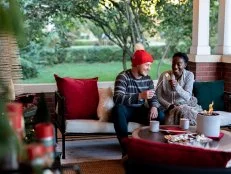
105,71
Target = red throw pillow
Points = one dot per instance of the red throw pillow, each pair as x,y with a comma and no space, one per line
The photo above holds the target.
81,97
173,154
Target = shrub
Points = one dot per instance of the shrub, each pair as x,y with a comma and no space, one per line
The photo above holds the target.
29,69
104,53
50,56
85,42
93,54
157,52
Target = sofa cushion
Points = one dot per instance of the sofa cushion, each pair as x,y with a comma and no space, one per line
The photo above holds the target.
225,117
95,126
174,154
105,104
206,92
81,97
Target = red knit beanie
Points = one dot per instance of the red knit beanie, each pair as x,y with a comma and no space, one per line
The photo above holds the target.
140,57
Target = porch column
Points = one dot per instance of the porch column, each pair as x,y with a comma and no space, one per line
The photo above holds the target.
200,35
223,47
224,28
206,67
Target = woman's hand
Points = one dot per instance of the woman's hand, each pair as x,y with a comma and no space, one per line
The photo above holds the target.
173,83
170,107
153,113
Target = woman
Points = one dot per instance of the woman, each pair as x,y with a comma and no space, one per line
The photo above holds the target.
174,92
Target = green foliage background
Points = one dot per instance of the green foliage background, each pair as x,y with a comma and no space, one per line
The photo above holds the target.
173,23
76,55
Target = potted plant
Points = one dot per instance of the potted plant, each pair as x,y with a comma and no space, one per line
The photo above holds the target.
11,27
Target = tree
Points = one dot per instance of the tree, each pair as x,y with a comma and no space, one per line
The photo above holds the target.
214,8
175,26
121,21
11,20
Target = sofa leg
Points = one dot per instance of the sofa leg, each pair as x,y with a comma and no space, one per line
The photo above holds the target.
63,146
56,134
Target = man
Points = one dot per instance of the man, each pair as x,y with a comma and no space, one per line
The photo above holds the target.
132,88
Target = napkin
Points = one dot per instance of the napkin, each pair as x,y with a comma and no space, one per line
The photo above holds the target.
173,129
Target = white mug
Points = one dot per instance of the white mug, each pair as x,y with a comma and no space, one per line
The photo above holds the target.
184,123
154,126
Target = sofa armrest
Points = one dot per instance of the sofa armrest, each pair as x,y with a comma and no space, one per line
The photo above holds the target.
60,112
227,101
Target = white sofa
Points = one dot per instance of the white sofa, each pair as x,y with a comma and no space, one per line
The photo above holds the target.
94,126
85,126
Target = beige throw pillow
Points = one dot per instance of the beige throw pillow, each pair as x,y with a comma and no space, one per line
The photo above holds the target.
105,104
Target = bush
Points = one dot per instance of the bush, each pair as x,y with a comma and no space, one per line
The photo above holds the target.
93,54
50,56
29,69
158,51
104,53
85,42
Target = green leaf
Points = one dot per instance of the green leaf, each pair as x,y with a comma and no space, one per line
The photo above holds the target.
11,20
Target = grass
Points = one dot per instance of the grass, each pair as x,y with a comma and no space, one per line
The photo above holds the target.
105,71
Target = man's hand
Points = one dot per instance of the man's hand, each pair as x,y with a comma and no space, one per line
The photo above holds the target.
146,94
153,113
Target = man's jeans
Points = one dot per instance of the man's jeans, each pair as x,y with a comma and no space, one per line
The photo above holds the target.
122,114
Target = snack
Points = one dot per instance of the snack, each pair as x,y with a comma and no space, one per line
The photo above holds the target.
187,139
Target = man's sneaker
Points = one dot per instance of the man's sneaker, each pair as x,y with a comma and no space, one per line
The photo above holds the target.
124,158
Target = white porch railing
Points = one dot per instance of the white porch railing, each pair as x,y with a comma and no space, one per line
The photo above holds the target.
51,87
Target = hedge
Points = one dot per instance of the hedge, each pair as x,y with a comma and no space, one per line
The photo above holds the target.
29,69
103,53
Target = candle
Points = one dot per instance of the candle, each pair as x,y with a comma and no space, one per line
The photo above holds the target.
15,114
45,134
36,154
